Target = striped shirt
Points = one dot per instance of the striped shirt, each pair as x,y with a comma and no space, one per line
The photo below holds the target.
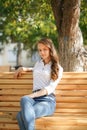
42,79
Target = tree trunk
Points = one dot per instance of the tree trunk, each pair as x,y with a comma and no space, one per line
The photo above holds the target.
18,62
73,56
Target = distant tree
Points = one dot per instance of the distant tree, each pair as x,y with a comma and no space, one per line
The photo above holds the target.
25,21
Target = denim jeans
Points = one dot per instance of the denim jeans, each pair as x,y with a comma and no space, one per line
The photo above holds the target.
34,108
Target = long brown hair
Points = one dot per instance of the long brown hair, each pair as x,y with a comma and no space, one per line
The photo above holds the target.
54,57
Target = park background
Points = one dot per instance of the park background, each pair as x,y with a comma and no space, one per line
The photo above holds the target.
23,23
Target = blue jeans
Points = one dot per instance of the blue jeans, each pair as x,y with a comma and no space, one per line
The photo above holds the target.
34,108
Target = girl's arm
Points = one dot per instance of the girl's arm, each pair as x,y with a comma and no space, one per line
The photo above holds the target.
53,84
19,71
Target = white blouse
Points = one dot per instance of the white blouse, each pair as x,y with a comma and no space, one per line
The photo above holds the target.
42,79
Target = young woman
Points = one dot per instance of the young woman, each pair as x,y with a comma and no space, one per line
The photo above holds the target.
46,75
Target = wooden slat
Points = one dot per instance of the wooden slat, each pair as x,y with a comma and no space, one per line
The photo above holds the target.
8,126
58,121
72,93
14,109
62,110
59,99
59,105
72,110
7,75
9,104
9,98
11,118
60,87
75,81
17,86
15,81
5,68
71,98
14,91
27,91
72,105
28,81
72,87
68,75
11,76
7,114
64,127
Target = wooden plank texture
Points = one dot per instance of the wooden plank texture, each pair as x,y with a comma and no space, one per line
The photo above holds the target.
6,68
71,98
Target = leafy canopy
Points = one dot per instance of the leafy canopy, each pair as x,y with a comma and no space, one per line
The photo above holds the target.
26,21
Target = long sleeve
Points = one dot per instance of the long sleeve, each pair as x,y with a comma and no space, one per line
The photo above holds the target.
53,84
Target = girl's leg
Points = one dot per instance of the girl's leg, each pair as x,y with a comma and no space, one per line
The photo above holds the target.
28,113
32,109
44,108
20,121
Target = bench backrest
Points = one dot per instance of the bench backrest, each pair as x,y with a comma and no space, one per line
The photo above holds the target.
6,68
71,95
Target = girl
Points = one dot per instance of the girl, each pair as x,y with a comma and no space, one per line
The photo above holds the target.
46,75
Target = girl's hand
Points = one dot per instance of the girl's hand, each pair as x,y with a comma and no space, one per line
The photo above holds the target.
18,72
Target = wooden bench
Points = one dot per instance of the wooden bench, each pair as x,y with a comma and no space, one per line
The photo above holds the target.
71,96
5,68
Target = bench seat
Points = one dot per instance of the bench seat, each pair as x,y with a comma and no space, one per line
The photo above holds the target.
71,97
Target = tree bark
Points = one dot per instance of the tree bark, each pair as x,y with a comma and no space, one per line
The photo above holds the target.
73,56
18,62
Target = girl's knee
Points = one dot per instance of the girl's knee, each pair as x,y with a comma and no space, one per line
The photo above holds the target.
23,100
26,99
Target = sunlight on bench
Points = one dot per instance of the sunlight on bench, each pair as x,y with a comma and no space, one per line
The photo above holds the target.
71,97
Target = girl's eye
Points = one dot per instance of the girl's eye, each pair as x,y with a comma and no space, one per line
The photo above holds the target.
45,49
42,50
39,50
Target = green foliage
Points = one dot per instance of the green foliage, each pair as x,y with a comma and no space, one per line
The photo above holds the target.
83,20
26,21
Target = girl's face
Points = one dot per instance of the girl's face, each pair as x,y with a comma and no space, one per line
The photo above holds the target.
44,52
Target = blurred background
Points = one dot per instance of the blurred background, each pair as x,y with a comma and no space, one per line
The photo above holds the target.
23,23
